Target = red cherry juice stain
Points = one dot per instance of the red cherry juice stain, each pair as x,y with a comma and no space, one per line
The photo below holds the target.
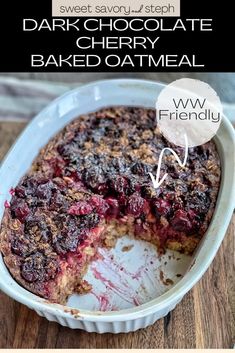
103,300
121,289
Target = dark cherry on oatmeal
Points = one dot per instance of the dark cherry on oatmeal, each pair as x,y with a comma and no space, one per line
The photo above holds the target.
90,185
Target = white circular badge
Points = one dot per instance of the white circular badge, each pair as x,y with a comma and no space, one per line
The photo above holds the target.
191,108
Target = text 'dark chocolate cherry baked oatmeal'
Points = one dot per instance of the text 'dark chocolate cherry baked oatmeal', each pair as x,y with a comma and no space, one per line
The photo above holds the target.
90,185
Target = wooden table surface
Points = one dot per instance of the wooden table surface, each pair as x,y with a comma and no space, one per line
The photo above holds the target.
204,319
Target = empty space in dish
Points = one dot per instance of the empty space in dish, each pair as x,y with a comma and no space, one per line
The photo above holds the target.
129,275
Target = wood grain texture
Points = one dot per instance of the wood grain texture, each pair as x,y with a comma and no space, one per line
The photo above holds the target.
204,319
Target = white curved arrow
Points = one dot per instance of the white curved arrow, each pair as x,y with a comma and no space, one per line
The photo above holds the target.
156,182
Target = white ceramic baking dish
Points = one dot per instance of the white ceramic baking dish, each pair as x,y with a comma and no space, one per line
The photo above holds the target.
82,100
